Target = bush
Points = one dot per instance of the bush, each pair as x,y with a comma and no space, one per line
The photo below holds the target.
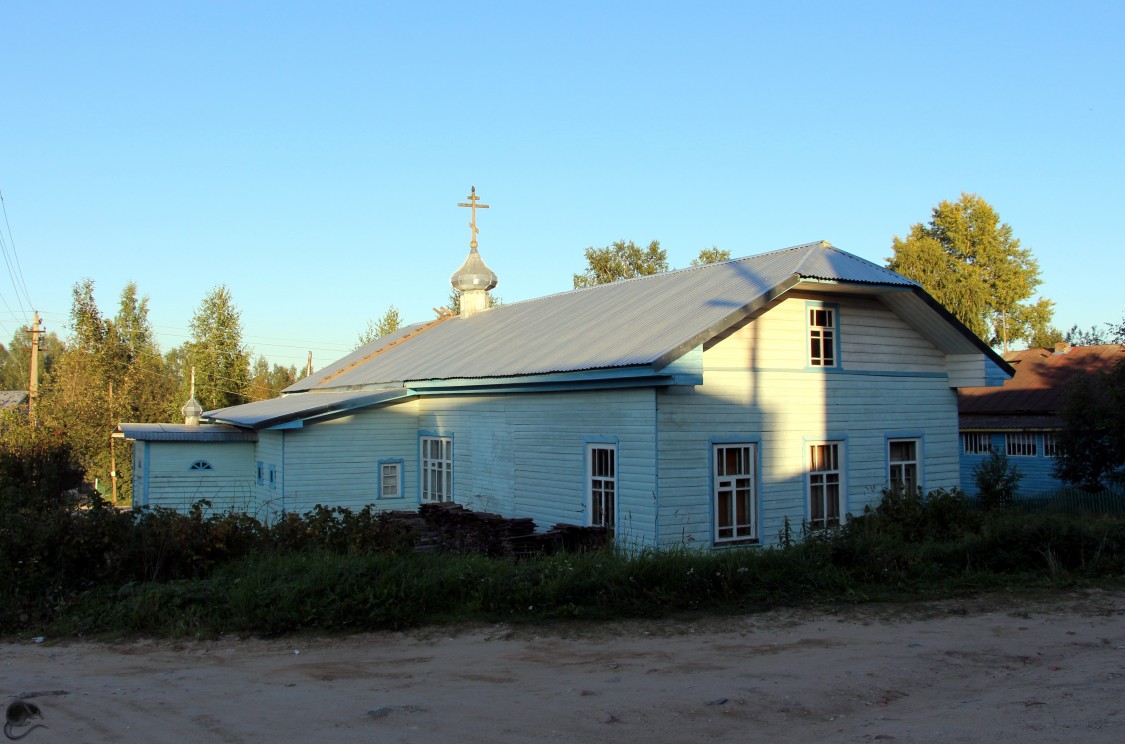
997,480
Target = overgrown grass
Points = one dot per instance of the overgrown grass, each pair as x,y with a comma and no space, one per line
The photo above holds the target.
331,570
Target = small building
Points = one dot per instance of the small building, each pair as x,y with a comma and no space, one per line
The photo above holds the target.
1021,419
704,407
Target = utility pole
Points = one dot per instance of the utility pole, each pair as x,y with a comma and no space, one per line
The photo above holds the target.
308,369
112,451
33,388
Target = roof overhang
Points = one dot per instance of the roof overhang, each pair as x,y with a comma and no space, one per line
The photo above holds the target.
183,433
295,410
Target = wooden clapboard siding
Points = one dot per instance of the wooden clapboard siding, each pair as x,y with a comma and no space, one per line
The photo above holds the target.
229,485
758,388
524,455
1036,470
335,462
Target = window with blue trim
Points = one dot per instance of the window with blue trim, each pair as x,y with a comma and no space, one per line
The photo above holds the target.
822,336
437,469
826,484
390,479
201,465
601,484
904,468
735,494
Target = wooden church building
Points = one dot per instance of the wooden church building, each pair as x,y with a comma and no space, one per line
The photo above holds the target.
695,407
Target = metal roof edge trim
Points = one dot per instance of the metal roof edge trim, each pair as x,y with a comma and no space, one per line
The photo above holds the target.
635,371
964,330
320,410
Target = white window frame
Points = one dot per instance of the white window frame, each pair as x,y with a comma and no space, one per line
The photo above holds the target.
823,328
825,472
390,472
273,477
436,455
734,498
976,442
601,485
1020,444
897,468
201,465
1050,444
261,477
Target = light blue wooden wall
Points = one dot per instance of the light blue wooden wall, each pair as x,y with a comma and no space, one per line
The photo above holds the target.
172,484
335,462
524,455
1037,479
759,388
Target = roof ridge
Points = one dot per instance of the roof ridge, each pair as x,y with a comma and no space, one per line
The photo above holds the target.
381,349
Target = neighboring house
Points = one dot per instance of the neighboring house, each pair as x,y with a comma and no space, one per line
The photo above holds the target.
700,407
1021,419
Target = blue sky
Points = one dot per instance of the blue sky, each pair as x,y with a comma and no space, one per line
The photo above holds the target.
311,155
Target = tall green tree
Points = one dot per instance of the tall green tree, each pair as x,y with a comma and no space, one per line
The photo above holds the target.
267,382
970,262
1091,445
621,260
390,322
15,359
711,255
215,350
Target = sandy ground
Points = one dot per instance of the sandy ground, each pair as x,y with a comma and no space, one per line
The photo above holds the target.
993,669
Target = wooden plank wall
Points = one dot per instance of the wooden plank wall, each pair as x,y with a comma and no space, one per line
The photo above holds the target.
758,387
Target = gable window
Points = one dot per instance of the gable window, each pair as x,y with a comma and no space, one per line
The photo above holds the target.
825,484
976,442
1020,444
822,336
902,465
601,484
1050,444
390,479
200,465
437,469
261,474
735,496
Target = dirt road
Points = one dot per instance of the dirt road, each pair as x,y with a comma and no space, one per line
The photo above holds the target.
991,669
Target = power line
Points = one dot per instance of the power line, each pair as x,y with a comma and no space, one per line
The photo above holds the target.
13,258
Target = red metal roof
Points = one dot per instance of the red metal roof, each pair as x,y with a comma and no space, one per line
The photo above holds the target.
1039,384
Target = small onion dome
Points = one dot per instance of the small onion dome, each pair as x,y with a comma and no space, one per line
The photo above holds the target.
473,274
192,411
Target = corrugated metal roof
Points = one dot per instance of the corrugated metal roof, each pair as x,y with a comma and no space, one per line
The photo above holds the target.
185,433
1041,379
626,323
265,413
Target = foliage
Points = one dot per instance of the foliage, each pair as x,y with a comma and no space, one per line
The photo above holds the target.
970,262
711,255
997,480
102,570
267,382
1091,445
15,359
37,466
621,260
390,322
221,362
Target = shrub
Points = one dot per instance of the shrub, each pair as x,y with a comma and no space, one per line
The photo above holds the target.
997,480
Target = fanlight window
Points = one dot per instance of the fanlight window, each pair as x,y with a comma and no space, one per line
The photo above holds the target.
201,465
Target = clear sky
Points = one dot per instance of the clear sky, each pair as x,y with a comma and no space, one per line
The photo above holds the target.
311,155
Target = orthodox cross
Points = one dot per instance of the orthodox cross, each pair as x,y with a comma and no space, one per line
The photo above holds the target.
473,199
